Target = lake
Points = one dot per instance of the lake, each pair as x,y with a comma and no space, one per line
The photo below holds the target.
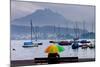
21,53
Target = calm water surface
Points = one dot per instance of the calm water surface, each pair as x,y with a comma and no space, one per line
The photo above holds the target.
21,53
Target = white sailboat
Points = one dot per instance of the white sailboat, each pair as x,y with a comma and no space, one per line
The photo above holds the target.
31,43
75,44
92,44
84,42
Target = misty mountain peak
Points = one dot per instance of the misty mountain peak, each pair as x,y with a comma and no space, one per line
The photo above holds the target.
41,17
46,13
46,10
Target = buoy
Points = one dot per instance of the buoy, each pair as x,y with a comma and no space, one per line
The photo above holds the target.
14,49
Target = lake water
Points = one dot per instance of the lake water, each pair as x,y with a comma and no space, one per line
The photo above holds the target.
21,53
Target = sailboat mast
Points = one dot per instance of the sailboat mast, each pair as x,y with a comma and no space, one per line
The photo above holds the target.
36,34
93,27
55,31
31,29
84,28
60,32
76,30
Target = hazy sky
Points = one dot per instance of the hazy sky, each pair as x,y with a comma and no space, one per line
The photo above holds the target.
77,13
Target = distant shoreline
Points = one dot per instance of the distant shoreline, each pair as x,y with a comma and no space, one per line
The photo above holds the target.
52,39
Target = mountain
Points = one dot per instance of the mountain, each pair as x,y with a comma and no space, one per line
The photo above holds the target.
41,17
44,22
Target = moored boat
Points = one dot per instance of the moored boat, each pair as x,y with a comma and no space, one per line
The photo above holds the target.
84,46
84,41
31,43
65,43
91,46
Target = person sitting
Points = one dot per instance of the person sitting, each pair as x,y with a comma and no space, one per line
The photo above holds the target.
53,58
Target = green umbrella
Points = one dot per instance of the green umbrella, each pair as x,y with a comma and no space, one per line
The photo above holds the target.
54,48
60,48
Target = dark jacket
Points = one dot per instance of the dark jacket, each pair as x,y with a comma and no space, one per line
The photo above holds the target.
53,58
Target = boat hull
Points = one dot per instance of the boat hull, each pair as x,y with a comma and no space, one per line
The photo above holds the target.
30,44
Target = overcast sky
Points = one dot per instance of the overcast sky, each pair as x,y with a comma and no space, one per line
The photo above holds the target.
77,13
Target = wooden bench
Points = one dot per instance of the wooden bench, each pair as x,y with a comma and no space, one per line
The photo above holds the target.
36,61
61,60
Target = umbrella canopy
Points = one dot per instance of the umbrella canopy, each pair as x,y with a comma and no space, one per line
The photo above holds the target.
54,49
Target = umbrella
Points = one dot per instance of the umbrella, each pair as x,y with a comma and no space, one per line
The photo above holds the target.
54,49
60,48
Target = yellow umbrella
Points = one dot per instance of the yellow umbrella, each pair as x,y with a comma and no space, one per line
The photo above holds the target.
54,49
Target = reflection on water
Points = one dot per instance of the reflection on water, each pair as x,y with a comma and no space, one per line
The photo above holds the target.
21,53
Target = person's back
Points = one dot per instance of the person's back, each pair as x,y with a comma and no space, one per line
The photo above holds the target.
53,58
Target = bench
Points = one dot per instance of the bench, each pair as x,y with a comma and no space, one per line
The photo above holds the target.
15,63
60,60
